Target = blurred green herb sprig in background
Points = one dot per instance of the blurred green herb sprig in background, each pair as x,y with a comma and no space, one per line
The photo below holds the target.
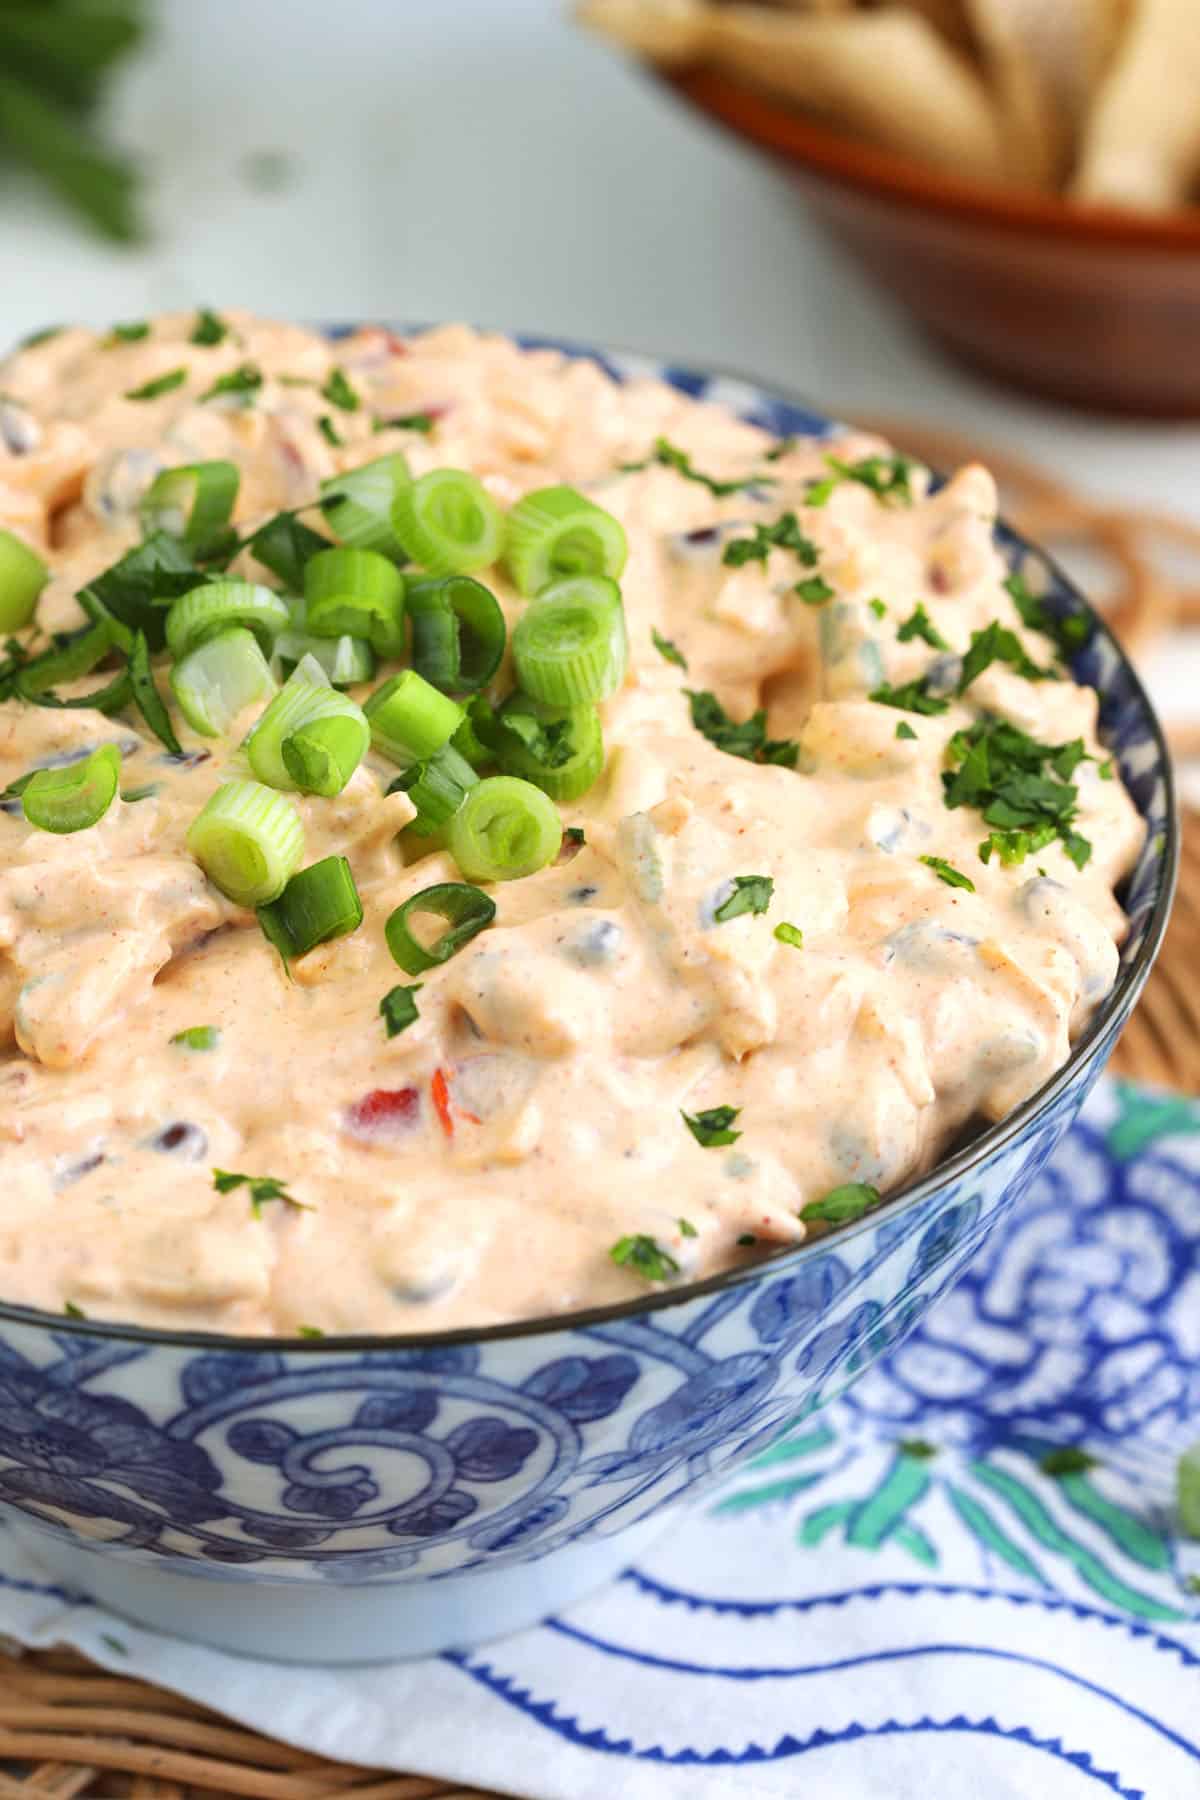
55,58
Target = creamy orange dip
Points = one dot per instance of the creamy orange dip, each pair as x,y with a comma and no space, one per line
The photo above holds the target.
532,1115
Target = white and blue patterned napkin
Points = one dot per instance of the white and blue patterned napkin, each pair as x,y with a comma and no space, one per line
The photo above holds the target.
929,1589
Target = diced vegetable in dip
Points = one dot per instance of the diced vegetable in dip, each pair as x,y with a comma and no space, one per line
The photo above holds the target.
770,956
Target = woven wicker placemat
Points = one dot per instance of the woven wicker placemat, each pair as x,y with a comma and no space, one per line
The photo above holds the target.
68,1729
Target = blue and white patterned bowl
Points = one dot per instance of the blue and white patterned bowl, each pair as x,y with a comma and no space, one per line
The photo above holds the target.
361,1498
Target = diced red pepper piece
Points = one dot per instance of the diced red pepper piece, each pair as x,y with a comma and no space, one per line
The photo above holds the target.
384,1113
439,1087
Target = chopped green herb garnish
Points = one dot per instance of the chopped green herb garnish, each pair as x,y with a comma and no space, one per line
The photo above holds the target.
130,333
667,650
115,1644
1105,769
814,590
245,380
329,431
888,477
841,1204
309,1331
162,384
72,1311
263,1188
1067,1459
645,1256
399,1008
209,328
751,894
948,873
686,1228
905,730
131,796
878,608
784,534
781,447
1020,786
1069,632
133,589
669,456
747,1241
789,934
423,422
920,1449
748,739
711,1129
911,696
41,337
338,391
996,643
574,834
198,1037
920,625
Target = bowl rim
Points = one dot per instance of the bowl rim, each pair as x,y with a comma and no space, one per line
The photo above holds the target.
852,163
1108,1018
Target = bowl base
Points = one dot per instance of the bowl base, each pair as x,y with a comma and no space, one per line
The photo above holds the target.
323,1623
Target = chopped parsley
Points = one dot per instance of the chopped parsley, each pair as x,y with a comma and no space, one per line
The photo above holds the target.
209,328
131,796
878,608
162,384
911,696
115,1644
574,834
789,934
711,1129
198,1037
747,1241
1070,632
782,447
784,534
338,391
996,643
751,894
284,544
920,625
905,730
133,589
841,1204
920,1449
130,333
329,431
748,739
309,1331
948,873
888,477
686,1228
399,1008
1066,1459
41,337
670,456
244,381
1022,788
419,421
72,1311
263,1188
667,650
645,1256
814,590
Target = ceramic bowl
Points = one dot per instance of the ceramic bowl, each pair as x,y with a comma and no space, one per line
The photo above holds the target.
1085,304
354,1499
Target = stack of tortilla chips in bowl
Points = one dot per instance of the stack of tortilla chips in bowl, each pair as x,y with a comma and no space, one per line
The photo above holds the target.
1024,174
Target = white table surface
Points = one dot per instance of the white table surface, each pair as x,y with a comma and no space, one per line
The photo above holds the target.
484,159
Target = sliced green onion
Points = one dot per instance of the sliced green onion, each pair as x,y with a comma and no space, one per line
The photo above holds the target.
112,698
346,660
409,719
72,799
559,749
465,910
318,904
249,841
469,745
198,1037
504,829
66,663
448,522
437,788
193,502
22,578
147,697
321,762
217,605
284,545
354,592
458,632
556,532
218,680
570,645
358,504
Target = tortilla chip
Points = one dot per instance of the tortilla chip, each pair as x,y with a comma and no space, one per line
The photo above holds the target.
1141,145
667,31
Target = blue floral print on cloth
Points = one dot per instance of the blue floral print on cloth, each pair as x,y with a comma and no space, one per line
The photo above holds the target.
897,1599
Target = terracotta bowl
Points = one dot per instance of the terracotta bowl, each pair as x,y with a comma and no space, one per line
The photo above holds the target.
1090,305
